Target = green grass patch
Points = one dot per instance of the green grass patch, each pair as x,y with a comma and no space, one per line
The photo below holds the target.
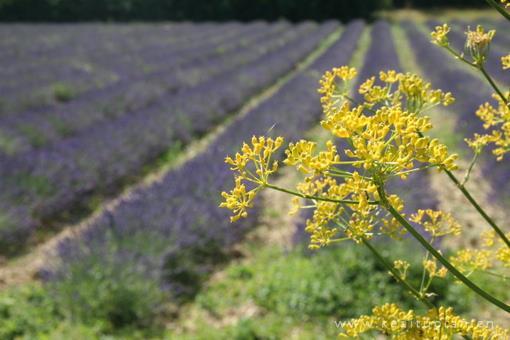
62,92
277,294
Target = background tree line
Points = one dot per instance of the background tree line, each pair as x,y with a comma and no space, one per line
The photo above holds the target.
202,10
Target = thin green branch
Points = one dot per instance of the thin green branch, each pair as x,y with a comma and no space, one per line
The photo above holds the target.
414,170
478,208
470,284
482,69
498,8
470,168
317,198
475,204
501,276
493,84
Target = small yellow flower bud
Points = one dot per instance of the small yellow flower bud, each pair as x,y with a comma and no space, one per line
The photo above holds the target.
440,35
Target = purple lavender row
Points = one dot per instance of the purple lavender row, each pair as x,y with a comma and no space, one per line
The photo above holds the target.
178,217
128,96
101,50
493,63
122,66
35,89
96,159
170,56
472,91
92,52
128,71
50,36
128,41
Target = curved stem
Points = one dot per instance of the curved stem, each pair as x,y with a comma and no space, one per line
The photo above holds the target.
482,69
397,277
493,84
470,168
478,208
461,277
500,9
317,198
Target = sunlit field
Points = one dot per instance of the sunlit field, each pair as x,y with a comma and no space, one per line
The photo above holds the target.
112,146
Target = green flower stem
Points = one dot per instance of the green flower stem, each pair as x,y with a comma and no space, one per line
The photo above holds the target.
470,168
474,203
493,84
397,277
482,69
500,9
477,206
438,255
317,198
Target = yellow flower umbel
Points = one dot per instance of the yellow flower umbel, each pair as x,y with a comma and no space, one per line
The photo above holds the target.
253,165
440,35
302,156
440,324
437,223
493,254
386,130
331,89
478,43
497,120
401,266
505,62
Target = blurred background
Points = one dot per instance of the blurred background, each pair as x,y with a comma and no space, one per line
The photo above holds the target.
116,117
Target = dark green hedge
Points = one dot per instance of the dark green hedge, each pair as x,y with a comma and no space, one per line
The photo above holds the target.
201,10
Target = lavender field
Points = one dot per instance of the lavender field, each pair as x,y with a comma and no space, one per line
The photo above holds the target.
113,136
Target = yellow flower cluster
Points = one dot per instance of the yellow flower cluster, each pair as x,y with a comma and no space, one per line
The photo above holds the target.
332,92
402,266
385,136
478,43
301,155
438,324
437,223
497,119
330,217
440,35
505,61
469,260
432,270
493,254
254,165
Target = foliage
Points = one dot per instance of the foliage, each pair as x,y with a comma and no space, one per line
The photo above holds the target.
299,293
26,310
295,10
68,10
108,294
32,311
62,92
